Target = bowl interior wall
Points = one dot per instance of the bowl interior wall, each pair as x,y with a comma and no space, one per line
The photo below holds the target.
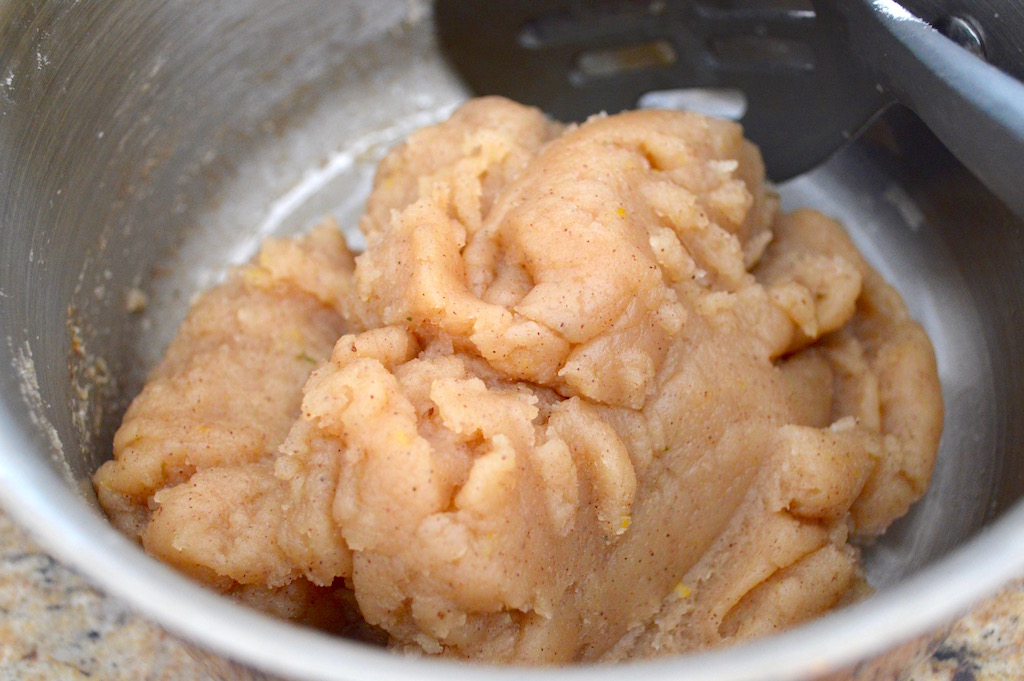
149,145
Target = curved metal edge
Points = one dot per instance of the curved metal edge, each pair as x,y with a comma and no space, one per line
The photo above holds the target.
44,504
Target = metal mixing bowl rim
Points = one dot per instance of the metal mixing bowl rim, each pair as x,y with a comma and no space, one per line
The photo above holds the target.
64,523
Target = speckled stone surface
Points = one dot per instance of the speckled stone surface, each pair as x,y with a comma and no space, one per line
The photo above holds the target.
985,645
53,625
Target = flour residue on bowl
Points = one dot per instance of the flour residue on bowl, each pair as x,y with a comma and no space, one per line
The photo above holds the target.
28,386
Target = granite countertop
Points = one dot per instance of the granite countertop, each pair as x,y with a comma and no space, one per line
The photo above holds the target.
53,625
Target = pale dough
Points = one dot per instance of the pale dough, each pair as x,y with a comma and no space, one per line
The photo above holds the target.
587,395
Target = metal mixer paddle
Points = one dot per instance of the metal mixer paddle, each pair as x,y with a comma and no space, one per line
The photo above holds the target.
803,77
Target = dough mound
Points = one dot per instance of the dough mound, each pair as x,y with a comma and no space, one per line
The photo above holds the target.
587,395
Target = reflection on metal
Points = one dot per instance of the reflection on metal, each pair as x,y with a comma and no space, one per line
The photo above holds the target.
718,102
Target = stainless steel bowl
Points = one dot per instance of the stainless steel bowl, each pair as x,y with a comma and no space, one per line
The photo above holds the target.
143,146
